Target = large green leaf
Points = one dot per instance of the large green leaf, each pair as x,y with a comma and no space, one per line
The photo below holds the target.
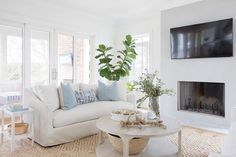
131,55
105,60
104,72
100,50
128,37
102,47
98,56
108,48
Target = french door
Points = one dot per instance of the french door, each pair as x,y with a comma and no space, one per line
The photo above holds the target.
11,64
32,56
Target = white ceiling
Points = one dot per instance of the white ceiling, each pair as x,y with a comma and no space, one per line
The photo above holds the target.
118,9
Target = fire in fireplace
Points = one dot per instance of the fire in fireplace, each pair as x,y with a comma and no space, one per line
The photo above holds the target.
203,97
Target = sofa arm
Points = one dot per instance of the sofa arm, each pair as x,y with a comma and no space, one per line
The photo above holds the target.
43,115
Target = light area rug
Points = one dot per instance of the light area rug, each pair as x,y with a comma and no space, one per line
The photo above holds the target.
195,143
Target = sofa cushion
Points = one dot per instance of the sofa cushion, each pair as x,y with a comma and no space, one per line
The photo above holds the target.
86,112
47,94
122,90
85,96
108,92
94,87
67,97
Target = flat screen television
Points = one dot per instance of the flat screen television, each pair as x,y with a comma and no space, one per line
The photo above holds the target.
213,39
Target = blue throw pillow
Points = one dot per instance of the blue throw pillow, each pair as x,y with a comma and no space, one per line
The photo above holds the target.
84,97
107,92
67,97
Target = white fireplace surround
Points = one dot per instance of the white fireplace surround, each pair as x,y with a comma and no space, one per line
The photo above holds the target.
197,70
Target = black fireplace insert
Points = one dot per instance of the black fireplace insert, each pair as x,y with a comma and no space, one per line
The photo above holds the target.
202,97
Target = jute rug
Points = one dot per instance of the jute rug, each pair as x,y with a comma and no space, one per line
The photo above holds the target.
195,143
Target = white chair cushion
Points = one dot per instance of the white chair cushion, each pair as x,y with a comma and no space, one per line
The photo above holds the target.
229,147
86,112
47,94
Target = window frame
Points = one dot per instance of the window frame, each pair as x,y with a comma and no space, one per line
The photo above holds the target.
26,28
75,36
148,59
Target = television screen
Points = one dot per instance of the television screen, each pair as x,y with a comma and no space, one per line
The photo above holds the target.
213,39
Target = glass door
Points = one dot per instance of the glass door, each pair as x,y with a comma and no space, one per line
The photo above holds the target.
11,75
40,57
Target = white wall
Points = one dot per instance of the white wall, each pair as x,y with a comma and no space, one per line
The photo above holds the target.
149,25
39,14
207,69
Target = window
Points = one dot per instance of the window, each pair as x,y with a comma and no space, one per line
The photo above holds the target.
10,64
82,59
39,57
73,59
65,57
142,61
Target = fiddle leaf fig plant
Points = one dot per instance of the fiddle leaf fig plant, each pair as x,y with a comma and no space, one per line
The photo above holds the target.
118,64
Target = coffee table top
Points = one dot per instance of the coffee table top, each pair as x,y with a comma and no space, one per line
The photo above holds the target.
106,124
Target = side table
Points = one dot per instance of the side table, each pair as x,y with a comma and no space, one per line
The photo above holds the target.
5,111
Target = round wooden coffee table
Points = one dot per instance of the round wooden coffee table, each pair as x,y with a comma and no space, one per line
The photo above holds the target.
158,145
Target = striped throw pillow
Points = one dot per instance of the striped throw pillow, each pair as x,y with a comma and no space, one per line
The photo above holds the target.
86,96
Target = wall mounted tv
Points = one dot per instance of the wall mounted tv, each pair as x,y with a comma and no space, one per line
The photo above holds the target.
213,39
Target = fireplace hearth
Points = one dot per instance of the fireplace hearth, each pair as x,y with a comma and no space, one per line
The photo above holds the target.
202,97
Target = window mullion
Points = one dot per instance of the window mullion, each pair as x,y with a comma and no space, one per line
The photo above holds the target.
4,57
74,59
26,56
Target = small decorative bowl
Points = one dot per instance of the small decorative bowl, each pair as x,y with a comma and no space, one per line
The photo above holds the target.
125,114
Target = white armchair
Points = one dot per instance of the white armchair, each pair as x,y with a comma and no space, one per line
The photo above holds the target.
229,146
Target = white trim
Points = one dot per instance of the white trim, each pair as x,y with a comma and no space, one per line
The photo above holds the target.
11,23
26,56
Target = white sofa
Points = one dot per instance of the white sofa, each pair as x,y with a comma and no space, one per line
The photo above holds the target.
229,146
56,126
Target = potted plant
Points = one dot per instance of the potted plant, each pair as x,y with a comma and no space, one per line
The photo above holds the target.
152,86
114,66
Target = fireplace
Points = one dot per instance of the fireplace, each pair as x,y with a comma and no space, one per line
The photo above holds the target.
202,97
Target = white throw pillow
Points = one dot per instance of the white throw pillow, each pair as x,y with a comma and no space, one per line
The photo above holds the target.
86,87
47,94
121,89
